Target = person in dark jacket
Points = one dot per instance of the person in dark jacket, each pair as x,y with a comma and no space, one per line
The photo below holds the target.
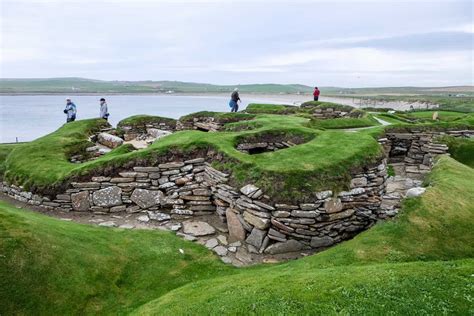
104,111
316,93
234,98
70,111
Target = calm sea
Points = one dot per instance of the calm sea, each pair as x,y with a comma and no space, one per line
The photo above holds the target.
27,117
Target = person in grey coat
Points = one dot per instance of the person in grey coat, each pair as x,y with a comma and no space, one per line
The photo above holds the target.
70,111
104,111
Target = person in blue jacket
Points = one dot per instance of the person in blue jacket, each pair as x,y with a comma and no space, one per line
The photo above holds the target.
234,98
70,111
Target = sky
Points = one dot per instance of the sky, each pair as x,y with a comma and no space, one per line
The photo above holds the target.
324,43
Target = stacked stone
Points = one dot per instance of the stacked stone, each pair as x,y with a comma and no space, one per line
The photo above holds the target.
417,149
328,113
205,123
141,131
250,148
18,193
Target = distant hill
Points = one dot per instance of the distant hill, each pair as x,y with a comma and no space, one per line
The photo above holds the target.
82,85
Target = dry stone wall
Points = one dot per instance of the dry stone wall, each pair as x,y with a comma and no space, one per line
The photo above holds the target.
417,148
182,190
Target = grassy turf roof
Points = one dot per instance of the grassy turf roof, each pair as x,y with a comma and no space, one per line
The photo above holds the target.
323,162
142,119
422,261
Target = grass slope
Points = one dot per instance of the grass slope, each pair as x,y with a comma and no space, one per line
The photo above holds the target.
393,268
51,267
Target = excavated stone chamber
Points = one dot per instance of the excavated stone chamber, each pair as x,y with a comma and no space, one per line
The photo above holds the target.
270,141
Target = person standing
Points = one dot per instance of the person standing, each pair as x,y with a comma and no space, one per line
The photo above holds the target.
234,98
316,93
70,111
104,111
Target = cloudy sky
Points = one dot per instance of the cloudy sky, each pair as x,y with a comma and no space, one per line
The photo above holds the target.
328,43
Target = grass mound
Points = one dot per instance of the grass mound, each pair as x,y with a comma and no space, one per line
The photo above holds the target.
219,117
258,108
325,161
339,123
392,268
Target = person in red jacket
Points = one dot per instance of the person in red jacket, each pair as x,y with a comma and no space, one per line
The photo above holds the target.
316,93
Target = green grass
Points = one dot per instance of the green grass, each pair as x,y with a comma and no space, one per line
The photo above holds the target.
5,150
138,120
257,108
461,149
221,117
420,263
346,122
323,162
48,266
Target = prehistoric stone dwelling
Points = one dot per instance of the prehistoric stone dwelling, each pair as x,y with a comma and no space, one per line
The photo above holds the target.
189,193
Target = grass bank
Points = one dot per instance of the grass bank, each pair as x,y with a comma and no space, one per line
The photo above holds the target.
421,262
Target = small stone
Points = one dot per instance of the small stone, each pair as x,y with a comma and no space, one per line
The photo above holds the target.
107,197
249,189
414,192
147,198
236,230
116,209
261,223
220,250
284,247
235,244
109,140
143,218
226,260
157,216
256,238
359,182
176,227
222,239
171,165
80,201
323,195
108,224
333,205
211,243
196,228
306,214
232,249
318,242
187,237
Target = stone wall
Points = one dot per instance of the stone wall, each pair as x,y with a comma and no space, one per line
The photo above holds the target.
417,148
205,124
328,113
131,132
181,190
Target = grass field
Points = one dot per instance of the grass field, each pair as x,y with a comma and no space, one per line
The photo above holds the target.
420,263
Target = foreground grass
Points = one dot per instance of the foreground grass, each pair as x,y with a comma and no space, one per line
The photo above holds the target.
392,268
48,266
